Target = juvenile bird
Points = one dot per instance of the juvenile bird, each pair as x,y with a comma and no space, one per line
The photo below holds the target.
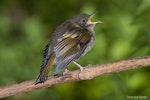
71,40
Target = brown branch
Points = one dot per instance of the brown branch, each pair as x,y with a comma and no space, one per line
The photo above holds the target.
89,72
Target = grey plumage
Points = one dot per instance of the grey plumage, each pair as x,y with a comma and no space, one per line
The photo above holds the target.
71,40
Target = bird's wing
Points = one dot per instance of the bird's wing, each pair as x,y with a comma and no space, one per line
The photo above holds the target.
70,47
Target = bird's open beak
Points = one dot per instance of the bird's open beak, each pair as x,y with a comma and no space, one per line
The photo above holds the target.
90,18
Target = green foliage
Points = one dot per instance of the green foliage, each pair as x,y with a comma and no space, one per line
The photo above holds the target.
26,27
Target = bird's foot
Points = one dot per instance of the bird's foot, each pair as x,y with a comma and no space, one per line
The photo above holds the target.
65,71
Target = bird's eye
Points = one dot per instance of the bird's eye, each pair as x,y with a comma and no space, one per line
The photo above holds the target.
83,20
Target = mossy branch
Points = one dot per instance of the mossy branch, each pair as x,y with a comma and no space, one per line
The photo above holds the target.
88,73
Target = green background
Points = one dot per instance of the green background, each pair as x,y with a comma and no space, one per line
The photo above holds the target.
26,26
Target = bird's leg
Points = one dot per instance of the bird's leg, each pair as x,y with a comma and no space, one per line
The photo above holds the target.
65,71
78,65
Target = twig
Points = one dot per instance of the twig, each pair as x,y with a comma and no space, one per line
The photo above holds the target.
88,73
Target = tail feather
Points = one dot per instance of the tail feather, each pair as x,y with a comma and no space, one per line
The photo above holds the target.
45,70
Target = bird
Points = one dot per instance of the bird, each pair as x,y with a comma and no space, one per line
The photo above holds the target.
70,40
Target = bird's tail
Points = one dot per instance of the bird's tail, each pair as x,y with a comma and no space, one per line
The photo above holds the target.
45,70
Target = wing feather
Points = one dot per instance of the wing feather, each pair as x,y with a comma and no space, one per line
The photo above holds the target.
70,47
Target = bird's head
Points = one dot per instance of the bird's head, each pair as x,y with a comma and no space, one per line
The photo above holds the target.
84,21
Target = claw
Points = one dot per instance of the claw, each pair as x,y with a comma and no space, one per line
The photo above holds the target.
66,71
